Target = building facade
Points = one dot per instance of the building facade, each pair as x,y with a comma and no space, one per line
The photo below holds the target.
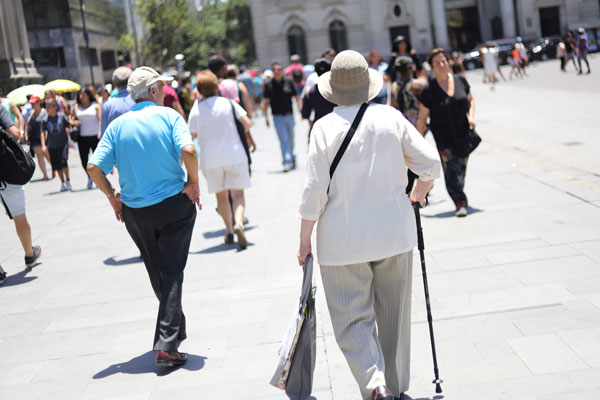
307,27
16,66
58,48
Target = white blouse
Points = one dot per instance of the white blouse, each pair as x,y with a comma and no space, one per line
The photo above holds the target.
367,215
90,124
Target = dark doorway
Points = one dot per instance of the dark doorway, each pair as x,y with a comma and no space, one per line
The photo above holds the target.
297,43
550,21
397,31
463,28
497,29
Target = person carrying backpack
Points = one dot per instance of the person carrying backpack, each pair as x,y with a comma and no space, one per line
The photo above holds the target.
12,193
296,72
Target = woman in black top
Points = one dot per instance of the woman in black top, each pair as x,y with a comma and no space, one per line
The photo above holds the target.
449,104
400,48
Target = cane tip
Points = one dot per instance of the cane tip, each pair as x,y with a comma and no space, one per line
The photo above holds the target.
438,388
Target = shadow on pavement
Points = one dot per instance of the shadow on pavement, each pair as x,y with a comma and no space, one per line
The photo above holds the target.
115,263
436,397
19,278
146,364
221,232
220,247
449,214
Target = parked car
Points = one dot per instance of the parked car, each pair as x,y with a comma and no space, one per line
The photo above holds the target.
472,59
544,48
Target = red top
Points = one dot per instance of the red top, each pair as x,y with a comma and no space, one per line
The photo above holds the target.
170,96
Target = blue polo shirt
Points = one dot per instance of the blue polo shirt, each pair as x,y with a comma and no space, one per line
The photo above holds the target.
114,107
145,144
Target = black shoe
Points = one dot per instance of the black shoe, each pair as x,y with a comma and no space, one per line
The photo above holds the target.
229,238
246,221
293,164
2,277
37,252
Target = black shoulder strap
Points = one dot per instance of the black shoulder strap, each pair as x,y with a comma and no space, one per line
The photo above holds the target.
346,142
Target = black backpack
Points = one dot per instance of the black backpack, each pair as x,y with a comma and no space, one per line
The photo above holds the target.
297,75
16,166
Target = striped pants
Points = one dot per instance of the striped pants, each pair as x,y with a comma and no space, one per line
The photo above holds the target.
370,304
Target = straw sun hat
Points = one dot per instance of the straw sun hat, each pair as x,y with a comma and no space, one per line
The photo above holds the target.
350,80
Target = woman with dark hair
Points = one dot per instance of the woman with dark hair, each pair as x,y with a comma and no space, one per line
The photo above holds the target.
86,115
449,104
401,47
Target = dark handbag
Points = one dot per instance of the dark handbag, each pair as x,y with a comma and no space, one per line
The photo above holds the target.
16,166
300,378
346,142
74,133
465,144
242,134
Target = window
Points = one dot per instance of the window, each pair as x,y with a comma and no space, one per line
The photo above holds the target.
297,42
397,10
108,59
46,14
52,57
337,36
83,56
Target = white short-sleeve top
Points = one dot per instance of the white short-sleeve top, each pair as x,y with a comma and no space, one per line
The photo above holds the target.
90,124
367,215
212,120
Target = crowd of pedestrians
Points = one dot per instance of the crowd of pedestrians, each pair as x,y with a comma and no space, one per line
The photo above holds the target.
159,131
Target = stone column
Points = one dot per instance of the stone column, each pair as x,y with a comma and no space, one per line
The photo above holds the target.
440,27
507,11
16,66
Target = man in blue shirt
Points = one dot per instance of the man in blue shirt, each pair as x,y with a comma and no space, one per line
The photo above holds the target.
156,203
121,103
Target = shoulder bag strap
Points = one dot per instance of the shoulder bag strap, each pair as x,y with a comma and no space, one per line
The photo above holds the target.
346,142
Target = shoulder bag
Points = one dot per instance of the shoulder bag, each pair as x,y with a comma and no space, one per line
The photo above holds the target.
465,143
242,134
75,131
16,166
346,142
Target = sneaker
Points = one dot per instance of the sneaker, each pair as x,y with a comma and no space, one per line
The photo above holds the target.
90,183
2,277
286,168
63,187
461,212
69,188
229,238
293,164
174,359
37,252
241,238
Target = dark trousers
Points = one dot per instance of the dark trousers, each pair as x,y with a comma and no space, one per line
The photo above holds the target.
163,232
85,144
455,171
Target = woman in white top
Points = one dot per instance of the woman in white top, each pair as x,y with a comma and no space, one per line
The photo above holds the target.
366,225
223,160
86,115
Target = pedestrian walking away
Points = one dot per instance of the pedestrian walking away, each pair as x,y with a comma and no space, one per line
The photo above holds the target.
278,93
121,103
156,203
56,142
223,158
12,197
448,103
583,47
33,133
571,47
314,100
86,115
366,226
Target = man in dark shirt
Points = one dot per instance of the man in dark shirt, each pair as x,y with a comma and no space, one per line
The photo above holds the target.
13,199
279,92
314,100
55,139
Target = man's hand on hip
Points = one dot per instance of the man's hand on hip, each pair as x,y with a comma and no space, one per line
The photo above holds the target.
192,191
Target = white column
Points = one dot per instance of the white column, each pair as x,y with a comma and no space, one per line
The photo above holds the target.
507,11
438,13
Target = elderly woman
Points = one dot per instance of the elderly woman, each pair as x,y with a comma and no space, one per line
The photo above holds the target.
448,103
223,159
366,226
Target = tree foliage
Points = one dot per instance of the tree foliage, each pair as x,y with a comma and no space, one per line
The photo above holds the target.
171,27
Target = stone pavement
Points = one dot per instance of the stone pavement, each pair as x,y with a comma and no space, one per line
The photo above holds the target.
515,286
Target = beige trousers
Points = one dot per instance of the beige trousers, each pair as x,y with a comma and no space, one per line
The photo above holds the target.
369,304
